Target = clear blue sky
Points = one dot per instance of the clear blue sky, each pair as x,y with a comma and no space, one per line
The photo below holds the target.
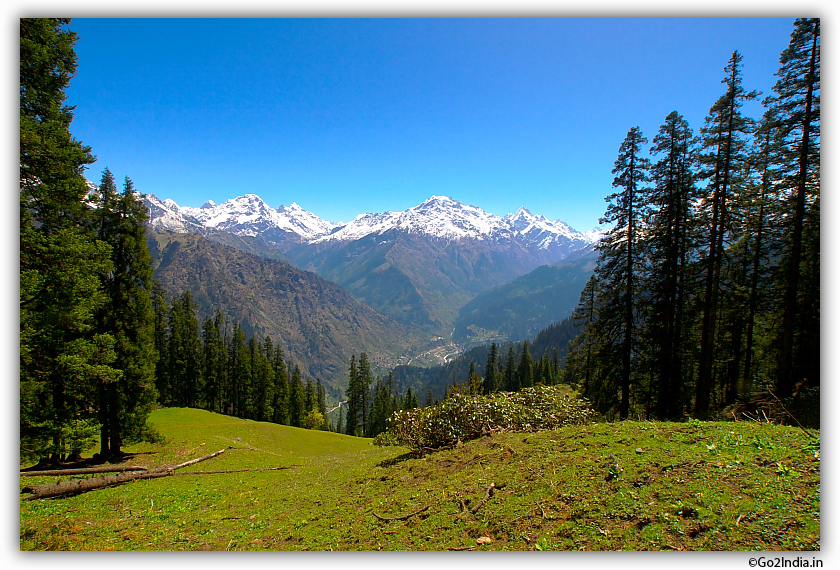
352,116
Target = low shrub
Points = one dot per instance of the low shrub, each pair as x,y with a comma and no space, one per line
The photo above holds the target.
465,417
386,439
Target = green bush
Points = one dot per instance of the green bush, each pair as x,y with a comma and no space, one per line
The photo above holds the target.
386,439
465,417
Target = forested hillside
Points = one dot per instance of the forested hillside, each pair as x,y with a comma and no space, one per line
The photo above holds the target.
315,321
703,300
523,307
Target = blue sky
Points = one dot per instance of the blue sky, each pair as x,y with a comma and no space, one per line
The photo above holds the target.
352,116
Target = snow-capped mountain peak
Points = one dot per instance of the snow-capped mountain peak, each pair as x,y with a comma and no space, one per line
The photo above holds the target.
437,202
247,215
439,217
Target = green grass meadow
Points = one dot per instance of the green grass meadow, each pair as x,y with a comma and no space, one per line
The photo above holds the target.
604,486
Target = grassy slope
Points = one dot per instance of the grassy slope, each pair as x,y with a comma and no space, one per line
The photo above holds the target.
712,486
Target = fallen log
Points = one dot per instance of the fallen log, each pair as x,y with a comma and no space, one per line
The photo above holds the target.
84,471
75,486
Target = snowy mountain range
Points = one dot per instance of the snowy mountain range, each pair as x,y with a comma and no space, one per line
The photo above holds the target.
438,217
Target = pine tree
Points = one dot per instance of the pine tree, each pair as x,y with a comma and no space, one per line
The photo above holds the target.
62,356
160,307
525,369
297,403
52,162
379,410
309,398
668,249
511,378
617,268
321,400
758,242
409,401
579,363
214,361
544,372
238,372
339,427
280,402
365,381
262,391
354,398
491,372
320,397
128,316
184,351
797,107
724,138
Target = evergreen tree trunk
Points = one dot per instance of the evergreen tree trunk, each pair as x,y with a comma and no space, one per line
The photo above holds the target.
724,125
785,375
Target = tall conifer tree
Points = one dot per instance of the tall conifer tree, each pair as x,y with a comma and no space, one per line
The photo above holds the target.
618,264
297,399
184,351
491,371
281,387
797,106
62,355
525,368
354,398
724,140
669,248
128,315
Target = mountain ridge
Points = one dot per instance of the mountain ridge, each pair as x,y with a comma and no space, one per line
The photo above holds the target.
418,266
439,217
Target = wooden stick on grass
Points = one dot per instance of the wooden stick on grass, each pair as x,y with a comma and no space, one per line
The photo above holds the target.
194,461
403,517
487,494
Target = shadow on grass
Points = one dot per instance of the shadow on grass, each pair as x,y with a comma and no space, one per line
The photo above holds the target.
400,458
95,461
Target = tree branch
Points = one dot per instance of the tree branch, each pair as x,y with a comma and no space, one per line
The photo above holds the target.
403,517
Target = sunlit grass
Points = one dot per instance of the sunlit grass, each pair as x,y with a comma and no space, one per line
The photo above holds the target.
630,485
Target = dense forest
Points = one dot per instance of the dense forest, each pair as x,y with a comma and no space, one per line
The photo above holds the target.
707,287
706,290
